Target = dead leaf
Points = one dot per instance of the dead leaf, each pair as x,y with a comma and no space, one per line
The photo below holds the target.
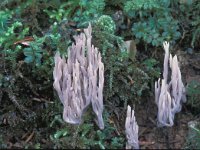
131,48
25,41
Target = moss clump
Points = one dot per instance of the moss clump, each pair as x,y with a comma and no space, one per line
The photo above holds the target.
106,24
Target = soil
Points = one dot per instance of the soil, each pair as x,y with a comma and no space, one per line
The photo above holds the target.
153,137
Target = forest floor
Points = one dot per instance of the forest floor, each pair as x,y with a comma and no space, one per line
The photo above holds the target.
16,132
30,111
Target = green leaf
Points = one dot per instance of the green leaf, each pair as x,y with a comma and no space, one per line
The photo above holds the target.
156,35
101,145
149,39
60,133
28,59
86,129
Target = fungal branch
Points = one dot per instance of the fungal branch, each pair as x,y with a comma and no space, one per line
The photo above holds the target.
79,80
169,96
131,130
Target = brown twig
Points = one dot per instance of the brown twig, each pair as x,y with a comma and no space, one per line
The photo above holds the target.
152,121
29,137
146,143
12,97
170,142
24,111
42,100
24,136
28,81
1,95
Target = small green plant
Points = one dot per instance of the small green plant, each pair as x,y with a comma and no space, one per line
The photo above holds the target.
120,73
5,16
193,138
193,92
190,21
9,36
87,135
152,22
81,11
89,11
106,24
150,66
33,54
2,143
